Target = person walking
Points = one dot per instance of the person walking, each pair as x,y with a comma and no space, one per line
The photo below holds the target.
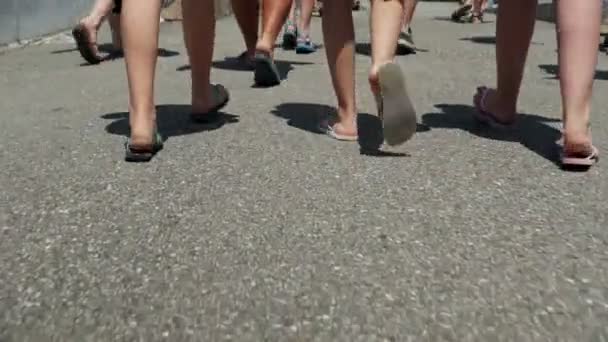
578,32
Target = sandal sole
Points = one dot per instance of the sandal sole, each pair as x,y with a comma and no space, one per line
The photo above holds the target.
82,41
265,74
398,113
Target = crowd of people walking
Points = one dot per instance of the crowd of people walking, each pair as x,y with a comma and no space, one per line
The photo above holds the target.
578,32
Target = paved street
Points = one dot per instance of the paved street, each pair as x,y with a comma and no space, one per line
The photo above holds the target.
264,230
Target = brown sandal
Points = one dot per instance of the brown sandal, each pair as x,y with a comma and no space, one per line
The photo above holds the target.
86,46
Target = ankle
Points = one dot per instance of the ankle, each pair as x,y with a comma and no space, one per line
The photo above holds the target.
347,116
93,22
504,104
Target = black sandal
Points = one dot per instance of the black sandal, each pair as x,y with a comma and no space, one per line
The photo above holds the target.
221,97
139,154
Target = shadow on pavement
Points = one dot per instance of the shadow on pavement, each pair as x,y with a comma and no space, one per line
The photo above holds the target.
553,69
481,39
172,120
309,116
488,40
365,49
109,53
531,131
234,64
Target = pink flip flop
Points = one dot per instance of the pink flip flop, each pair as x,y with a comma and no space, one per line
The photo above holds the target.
585,160
483,115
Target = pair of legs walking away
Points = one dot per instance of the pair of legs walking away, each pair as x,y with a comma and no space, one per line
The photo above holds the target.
385,77
297,28
578,32
85,33
140,39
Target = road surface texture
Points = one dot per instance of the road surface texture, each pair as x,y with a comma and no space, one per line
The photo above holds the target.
265,230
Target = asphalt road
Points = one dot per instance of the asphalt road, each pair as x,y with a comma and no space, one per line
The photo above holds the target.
263,230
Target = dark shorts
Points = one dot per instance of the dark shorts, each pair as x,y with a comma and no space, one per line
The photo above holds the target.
117,6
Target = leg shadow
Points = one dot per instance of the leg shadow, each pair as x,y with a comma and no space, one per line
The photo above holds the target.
308,117
304,116
371,137
109,53
365,49
172,120
531,131
235,64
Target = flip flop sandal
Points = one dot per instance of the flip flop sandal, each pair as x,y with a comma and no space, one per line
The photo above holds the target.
289,36
266,73
305,46
486,117
138,154
474,19
405,44
212,116
330,131
461,11
85,45
580,160
247,62
395,108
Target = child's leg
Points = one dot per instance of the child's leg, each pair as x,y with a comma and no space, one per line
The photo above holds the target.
385,26
246,14
306,8
140,39
578,32
385,77
339,37
199,35
274,15
514,29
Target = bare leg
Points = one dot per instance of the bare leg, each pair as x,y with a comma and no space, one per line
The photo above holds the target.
578,32
246,13
114,21
339,36
514,29
292,12
274,15
409,7
199,35
306,8
405,44
386,20
140,40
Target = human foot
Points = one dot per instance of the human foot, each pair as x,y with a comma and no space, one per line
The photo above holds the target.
266,73
490,111
577,149
305,46
343,131
142,130
207,103
578,154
